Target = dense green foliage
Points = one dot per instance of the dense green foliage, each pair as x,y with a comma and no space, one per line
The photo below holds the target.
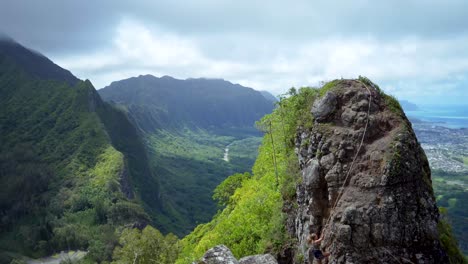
449,243
252,221
226,189
451,193
190,165
146,246
60,174
242,153
137,178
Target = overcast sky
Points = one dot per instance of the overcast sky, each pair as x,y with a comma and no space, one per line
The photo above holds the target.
415,50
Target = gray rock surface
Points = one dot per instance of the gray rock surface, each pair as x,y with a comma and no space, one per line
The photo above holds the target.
223,255
258,259
324,106
219,255
387,212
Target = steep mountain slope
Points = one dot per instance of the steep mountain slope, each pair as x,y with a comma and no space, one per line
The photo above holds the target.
34,63
189,127
67,174
374,203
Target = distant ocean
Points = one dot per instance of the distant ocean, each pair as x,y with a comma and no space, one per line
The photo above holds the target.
446,116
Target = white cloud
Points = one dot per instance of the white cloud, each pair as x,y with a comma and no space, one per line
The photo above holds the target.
408,63
136,48
137,43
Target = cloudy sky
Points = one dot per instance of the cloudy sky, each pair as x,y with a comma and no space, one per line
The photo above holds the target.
415,50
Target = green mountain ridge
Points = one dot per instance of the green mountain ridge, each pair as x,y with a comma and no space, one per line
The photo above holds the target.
66,172
34,63
76,170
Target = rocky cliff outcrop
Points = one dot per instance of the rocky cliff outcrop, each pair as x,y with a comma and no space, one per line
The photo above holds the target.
386,211
223,255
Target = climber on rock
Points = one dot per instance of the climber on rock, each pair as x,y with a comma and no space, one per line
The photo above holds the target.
315,250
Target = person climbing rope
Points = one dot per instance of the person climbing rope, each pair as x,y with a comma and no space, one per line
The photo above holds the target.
315,248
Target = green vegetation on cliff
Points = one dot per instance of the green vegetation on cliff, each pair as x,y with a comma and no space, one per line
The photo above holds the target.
146,246
448,240
451,193
252,221
190,165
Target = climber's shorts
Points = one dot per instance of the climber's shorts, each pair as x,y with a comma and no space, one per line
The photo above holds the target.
318,254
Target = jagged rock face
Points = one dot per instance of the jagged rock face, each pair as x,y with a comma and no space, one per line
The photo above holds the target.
258,259
387,211
325,107
219,255
223,255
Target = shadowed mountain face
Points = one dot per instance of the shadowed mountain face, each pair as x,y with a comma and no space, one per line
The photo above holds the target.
195,103
34,63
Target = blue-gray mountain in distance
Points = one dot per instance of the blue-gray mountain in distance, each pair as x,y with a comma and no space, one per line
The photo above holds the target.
451,116
408,106
269,96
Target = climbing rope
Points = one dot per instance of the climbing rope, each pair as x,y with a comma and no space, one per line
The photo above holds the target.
354,159
350,169
404,259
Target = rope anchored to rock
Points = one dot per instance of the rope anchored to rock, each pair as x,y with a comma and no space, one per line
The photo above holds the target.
354,159
340,194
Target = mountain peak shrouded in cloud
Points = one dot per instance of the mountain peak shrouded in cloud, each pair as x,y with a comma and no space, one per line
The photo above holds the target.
33,62
5,38
273,47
